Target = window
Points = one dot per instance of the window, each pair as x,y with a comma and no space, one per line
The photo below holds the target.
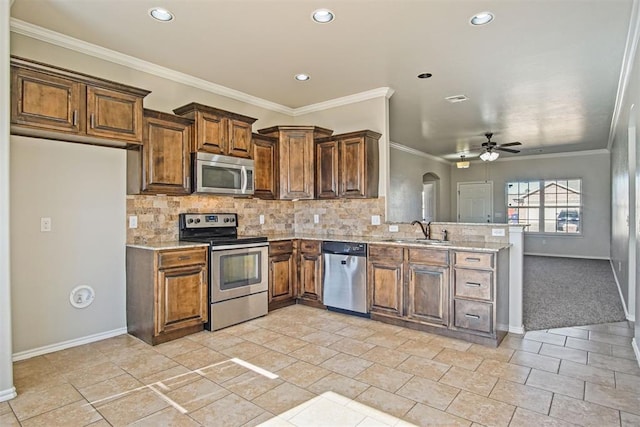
549,205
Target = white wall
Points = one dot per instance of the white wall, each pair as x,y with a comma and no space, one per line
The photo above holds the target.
7,390
592,167
82,188
404,201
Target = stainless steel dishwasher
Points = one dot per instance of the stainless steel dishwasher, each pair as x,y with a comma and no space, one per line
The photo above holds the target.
344,280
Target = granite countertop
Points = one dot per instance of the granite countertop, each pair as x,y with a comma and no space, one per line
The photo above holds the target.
172,244
474,246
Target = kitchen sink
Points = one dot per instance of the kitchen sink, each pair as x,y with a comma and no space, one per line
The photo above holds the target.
434,242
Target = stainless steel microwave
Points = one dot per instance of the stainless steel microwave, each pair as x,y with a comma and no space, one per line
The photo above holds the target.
216,174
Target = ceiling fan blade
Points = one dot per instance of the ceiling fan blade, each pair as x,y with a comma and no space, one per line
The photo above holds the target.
509,144
508,150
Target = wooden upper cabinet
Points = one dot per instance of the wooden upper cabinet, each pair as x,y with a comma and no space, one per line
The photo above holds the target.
219,131
296,159
165,154
45,100
56,103
326,170
353,170
265,162
114,114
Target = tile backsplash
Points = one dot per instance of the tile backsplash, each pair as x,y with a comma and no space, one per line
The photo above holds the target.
158,218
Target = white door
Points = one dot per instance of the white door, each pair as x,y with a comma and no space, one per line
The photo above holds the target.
475,201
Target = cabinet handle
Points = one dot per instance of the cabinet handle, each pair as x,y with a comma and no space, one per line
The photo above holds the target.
472,259
472,316
183,258
473,284
74,119
92,120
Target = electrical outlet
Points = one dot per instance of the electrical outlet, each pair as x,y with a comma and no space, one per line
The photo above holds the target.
375,219
45,225
133,221
498,232
261,219
316,218
393,228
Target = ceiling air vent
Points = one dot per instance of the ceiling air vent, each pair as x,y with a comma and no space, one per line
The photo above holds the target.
456,98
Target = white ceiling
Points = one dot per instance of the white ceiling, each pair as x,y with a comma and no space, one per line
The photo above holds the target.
544,72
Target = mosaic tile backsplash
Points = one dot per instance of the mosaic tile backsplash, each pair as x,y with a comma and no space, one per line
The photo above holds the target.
158,218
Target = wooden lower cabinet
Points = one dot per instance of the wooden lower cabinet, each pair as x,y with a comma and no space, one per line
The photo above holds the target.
386,280
428,298
167,293
310,272
282,274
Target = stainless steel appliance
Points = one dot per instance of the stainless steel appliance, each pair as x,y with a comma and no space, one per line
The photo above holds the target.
216,174
238,270
345,276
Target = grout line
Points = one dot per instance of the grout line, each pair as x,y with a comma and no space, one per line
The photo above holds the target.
168,400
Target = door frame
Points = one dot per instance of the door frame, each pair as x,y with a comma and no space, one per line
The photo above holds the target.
490,183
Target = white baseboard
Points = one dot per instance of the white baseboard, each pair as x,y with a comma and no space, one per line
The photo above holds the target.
624,305
516,330
8,394
27,354
636,350
604,258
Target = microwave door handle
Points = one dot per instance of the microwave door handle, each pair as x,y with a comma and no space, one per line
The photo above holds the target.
244,179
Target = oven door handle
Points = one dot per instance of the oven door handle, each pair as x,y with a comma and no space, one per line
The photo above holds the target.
239,246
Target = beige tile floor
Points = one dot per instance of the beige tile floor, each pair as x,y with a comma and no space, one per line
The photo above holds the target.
302,366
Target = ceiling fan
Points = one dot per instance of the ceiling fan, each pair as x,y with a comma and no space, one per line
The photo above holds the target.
491,149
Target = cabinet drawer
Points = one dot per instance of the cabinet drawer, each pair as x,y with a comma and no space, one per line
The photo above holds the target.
473,259
477,316
429,256
168,259
310,246
473,283
281,247
386,253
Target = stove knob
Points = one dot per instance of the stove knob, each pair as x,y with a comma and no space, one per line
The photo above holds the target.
190,220
226,220
197,220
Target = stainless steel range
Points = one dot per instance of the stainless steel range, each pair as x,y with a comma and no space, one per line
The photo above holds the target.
238,271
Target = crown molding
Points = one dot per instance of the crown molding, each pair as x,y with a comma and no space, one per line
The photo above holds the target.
630,50
415,152
387,92
550,155
52,37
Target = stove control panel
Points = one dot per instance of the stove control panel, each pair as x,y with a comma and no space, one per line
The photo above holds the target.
208,220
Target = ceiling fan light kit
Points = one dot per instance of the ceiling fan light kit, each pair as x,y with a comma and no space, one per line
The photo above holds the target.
489,156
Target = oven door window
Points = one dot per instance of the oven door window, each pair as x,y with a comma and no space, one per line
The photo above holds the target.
221,177
240,269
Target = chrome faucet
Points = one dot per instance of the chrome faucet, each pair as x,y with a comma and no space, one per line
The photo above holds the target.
425,230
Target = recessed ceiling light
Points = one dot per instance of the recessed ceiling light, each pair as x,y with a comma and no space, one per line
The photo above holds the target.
481,18
302,77
456,98
322,16
424,75
161,14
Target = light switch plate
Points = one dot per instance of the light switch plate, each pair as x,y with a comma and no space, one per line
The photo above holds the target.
316,218
393,228
261,219
375,219
133,221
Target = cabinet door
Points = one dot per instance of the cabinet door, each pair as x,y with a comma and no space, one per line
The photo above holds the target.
45,101
165,157
282,271
182,298
385,287
327,170
211,133
265,160
296,165
311,276
428,294
114,115
239,139
352,168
